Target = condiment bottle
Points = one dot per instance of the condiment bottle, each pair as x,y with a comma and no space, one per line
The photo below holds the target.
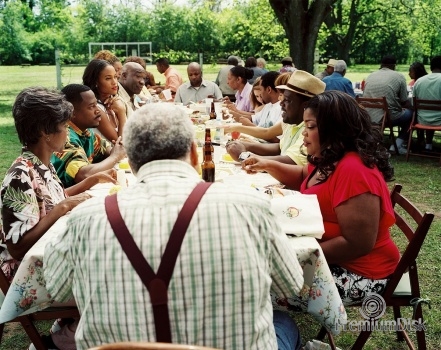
212,112
207,166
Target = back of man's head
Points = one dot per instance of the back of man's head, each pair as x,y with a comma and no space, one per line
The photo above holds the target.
233,61
268,79
340,67
161,131
388,61
435,63
162,61
73,93
251,62
287,61
136,59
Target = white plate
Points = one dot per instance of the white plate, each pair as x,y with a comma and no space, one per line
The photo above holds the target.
229,161
100,189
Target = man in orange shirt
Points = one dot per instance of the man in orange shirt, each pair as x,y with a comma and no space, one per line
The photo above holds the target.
172,77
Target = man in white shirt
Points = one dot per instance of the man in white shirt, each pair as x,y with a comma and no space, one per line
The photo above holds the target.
196,89
271,113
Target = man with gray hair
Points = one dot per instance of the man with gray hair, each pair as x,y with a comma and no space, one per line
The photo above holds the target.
337,80
196,89
222,78
232,255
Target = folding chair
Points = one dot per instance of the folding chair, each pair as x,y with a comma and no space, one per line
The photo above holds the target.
149,346
403,288
380,103
418,104
27,321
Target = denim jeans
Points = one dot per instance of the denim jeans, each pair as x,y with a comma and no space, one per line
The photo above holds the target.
404,121
288,335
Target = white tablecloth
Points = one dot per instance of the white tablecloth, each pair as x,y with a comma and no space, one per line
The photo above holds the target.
319,295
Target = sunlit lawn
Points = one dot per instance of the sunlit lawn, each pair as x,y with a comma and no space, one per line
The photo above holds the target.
421,179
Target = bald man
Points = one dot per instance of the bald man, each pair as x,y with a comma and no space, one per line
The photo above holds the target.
196,89
131,83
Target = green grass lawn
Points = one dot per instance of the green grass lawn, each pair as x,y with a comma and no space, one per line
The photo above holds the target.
421,180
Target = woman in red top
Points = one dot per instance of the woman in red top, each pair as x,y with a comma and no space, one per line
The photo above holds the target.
348,171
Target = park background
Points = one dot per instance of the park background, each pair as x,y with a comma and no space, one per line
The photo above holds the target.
359,31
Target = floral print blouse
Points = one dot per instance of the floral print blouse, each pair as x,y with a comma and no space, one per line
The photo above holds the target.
29,192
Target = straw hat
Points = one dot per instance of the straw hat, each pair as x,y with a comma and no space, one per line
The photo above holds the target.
303,83
331,62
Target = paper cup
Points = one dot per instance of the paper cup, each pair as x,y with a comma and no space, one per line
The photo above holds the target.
121,178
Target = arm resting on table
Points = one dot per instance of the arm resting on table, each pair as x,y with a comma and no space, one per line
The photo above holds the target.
290,175
256,131
19,249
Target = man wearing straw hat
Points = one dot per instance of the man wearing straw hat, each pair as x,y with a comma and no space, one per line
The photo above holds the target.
328,70
300,88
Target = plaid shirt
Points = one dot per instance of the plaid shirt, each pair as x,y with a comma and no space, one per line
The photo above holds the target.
392,85
233,253
82,148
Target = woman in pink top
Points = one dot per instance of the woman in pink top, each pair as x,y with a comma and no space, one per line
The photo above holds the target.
238,80
348,170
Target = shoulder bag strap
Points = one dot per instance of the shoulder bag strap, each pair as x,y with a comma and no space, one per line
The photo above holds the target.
157,284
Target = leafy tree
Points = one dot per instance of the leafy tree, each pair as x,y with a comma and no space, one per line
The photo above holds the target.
251,29
425,38
14,47
301,20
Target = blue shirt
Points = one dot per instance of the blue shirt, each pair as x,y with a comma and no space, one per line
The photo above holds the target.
336,81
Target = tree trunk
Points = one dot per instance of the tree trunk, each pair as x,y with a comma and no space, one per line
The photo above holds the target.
301,21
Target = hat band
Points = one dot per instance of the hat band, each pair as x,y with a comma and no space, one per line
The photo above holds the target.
301,91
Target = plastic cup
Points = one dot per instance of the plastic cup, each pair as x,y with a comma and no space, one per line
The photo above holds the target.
200,135
235,135
121,178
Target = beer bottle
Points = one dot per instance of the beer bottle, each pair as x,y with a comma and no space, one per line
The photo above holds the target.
207,165
212,112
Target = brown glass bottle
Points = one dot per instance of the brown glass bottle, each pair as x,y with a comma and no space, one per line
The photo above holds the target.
212,112
207,166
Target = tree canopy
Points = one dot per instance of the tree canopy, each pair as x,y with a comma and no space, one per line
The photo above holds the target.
358,31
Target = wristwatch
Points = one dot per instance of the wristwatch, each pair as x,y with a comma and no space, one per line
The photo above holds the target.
244,155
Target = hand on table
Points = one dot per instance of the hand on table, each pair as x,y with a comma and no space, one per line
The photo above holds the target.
236,116
232,108
105,176
71,202
118,151
235,148
254,165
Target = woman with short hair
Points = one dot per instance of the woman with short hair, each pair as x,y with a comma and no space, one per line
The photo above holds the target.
32,196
